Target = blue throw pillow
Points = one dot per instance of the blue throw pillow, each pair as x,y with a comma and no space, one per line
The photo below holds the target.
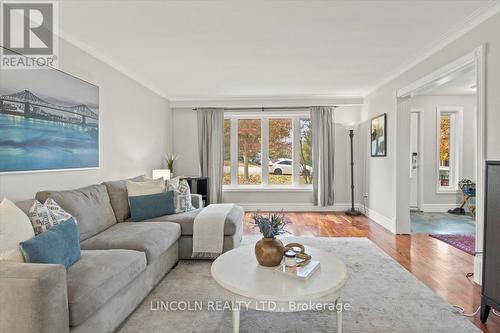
58,245
143,207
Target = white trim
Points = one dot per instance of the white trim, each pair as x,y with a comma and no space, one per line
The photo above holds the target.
480,64
437,208
482,14
264,150
296,151
381,219
267,101
456,147
294,207
234,150
421,149
267,188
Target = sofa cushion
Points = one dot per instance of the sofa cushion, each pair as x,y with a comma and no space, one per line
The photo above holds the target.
25,205
234,220
57,245
96,277
146,187
89,205
15,227
143,207
118,196
150,238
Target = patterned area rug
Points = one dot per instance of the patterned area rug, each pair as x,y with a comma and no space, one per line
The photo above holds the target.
383,298
466,243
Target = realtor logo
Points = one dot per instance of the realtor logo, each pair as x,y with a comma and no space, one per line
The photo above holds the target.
29,34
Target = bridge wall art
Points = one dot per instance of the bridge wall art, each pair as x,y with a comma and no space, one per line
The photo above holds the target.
49,120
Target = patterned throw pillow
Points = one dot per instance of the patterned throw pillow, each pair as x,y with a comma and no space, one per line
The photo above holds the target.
182,196
174,182
40,217
57,214
45,216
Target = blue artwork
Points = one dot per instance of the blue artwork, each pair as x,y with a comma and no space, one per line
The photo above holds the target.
49,120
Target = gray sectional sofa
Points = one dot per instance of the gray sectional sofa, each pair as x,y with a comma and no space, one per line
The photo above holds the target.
121,262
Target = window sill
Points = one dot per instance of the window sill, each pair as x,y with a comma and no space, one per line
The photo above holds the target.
267,188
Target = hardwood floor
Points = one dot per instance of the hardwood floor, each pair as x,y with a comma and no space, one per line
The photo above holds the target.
440,266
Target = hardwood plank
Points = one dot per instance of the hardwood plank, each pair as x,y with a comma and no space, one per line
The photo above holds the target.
438,265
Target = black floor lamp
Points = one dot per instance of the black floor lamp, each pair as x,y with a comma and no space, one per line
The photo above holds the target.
352,211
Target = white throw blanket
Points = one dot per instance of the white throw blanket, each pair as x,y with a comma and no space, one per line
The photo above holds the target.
208,231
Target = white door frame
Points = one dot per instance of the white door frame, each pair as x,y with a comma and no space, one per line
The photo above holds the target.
420,184
476,58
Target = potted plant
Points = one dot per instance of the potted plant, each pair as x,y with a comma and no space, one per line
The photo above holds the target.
169,161
269,250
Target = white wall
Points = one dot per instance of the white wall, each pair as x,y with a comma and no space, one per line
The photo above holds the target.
135,130
429,105
185,144
381,171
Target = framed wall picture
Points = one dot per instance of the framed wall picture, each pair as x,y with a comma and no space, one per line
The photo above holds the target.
49,120
378,136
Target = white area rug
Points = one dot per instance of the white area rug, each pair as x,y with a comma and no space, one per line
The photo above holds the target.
383,296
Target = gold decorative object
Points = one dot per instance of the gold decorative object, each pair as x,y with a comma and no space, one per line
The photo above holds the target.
300,251
269,252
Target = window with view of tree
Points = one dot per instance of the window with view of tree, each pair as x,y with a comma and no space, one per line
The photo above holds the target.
448,149
305,151
280,152
249,152
267,150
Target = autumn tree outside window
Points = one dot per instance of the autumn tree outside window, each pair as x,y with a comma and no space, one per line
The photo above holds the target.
271,150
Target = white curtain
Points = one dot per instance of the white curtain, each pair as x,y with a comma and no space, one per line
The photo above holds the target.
323,137
211,150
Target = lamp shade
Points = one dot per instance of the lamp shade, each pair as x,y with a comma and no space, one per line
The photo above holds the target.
159,173
351,125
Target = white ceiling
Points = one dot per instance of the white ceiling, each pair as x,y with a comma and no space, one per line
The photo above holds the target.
458,84
222,49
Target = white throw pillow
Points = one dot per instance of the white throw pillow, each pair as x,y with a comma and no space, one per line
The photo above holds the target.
147,187
15,227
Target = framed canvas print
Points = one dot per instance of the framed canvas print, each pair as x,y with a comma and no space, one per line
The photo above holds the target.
49,120
378,136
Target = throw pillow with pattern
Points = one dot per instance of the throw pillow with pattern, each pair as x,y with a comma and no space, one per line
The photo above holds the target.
182,196
57,214
45,216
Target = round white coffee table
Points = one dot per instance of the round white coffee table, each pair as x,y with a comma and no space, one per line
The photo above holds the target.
262,288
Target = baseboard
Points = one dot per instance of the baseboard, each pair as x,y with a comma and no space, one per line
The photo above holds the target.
478,268
381,219
437,208
298,207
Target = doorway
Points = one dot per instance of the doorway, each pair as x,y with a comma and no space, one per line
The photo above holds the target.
441,177
442,196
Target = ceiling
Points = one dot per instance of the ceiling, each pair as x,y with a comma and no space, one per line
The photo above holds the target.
457,84
222,49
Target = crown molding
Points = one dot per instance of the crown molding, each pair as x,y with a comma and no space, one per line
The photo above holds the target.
267,101
108,61
476,18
